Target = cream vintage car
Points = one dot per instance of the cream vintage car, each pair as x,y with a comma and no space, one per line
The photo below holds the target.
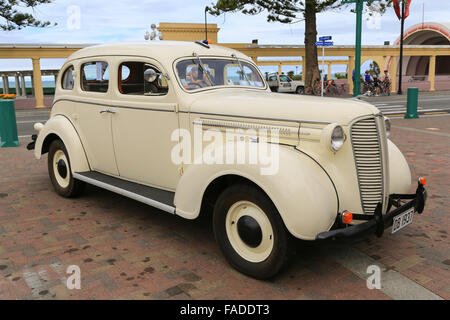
130,118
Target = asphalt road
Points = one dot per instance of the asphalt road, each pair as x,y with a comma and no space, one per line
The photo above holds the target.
430,104
27,118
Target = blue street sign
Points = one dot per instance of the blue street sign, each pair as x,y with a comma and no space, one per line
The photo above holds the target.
324,43
326,38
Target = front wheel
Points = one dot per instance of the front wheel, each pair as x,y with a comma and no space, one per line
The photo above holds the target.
60,171
250,232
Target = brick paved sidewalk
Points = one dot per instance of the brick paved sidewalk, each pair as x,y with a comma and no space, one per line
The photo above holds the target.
127,250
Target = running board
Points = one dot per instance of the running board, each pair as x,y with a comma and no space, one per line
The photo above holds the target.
154,197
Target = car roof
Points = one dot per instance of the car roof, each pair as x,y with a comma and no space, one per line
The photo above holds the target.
163,51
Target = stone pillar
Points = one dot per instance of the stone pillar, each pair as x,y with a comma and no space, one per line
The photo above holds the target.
351,67
17,84
32,85
24,86
303,67
37,81
432,73
393,73
279,69
5,84
329,71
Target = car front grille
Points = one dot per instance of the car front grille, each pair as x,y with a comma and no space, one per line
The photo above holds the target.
368,158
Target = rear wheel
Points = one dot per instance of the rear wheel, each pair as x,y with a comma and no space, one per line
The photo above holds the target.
60,171
250,232
300,90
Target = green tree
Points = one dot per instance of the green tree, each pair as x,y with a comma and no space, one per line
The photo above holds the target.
373,67
12,17
293,11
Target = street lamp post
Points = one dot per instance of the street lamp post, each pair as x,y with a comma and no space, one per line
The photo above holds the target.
401,49
359,11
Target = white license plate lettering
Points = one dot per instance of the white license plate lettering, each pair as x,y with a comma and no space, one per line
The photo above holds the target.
402,220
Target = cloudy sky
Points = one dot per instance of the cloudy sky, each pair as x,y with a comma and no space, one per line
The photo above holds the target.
112,20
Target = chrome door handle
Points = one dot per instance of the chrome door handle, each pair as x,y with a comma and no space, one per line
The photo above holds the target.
108,111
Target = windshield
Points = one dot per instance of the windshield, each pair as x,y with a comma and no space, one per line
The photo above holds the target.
197,73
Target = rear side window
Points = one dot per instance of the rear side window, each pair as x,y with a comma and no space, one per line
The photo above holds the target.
95,76
67,79
141,79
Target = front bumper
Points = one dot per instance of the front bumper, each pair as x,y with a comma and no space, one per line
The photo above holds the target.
378,222
32,144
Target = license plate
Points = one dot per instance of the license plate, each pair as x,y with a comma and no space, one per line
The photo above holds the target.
402,220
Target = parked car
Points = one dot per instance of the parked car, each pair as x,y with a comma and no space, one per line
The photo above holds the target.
284,84
124,116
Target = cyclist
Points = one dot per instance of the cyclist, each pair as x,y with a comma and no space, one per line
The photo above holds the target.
367,81
386,80
376,81
368,78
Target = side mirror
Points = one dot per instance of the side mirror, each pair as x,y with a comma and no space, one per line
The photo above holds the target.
150,75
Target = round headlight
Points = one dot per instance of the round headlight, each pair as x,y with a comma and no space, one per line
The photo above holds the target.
387,125
337,138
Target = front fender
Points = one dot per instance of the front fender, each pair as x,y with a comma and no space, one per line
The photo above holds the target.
300,189
61,126
399,172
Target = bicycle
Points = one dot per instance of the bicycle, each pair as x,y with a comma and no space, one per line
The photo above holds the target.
368,89
385,88
329,89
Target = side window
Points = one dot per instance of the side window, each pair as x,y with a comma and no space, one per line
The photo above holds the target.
67,79
284,79
142,79
273,78
95,77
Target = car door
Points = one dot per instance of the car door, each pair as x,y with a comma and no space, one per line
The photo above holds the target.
92,114
285,84
144,121
273,82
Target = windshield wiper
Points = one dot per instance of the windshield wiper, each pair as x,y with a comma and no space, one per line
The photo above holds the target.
242,69
204,69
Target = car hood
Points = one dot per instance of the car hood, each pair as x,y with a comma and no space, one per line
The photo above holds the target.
267,105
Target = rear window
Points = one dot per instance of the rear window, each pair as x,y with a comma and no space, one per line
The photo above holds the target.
95,76
67,79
